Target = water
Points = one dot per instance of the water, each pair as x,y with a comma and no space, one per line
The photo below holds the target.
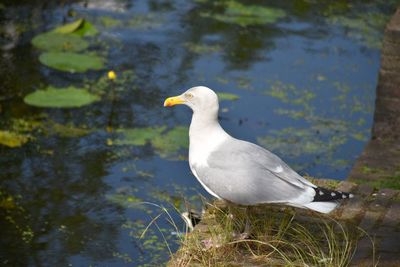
69,193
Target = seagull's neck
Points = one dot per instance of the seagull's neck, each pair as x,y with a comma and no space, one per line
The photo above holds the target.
205,126
205,135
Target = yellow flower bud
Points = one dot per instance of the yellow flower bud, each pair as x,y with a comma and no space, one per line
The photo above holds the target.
111,75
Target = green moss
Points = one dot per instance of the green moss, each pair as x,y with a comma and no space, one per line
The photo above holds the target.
392,182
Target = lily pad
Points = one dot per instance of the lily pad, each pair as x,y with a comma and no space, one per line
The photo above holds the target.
51,41
12,139
80,27
51,97
227,96
71,62
70,27
86,29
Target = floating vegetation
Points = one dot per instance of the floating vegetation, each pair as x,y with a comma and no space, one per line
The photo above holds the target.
245,15
322,139
16,219
71,62
13,139
80,27
145,21
52,41
61,45
121,83
166,144
138,136
289,93
67,37
169,144
86,29
366,28
227,96
52,97
67,130
69,27
202,48
125,200
110,22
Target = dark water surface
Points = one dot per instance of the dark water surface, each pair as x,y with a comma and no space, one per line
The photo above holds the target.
303,77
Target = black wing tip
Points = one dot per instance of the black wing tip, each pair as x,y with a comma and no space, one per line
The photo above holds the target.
323,194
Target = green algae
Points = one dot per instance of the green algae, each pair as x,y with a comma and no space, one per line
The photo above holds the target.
198,48
366,28
110,22
13,139
167,144
246,15
143,21
222,96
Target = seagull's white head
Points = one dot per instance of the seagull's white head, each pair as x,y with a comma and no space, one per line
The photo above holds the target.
199,99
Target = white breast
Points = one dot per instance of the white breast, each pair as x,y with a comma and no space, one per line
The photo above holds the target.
202,144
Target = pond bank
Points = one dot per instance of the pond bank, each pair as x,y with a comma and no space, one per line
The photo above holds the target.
379,165
375,209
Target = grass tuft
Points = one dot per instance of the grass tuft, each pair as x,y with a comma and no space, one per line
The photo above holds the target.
278,236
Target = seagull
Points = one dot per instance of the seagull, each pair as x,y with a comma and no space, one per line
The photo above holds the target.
242,172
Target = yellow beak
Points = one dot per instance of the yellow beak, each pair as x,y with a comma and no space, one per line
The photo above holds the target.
172,101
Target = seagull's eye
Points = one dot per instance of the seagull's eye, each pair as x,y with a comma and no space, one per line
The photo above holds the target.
189,95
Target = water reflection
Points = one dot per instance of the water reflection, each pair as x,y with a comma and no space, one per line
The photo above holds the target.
70,194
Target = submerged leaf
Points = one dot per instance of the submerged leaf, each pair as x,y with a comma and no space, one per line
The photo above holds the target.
51,97
70,27
71,62
12,139
51,41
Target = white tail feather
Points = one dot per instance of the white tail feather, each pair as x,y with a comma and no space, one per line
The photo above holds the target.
323,207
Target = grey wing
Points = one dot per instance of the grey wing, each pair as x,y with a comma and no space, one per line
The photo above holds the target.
247,174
